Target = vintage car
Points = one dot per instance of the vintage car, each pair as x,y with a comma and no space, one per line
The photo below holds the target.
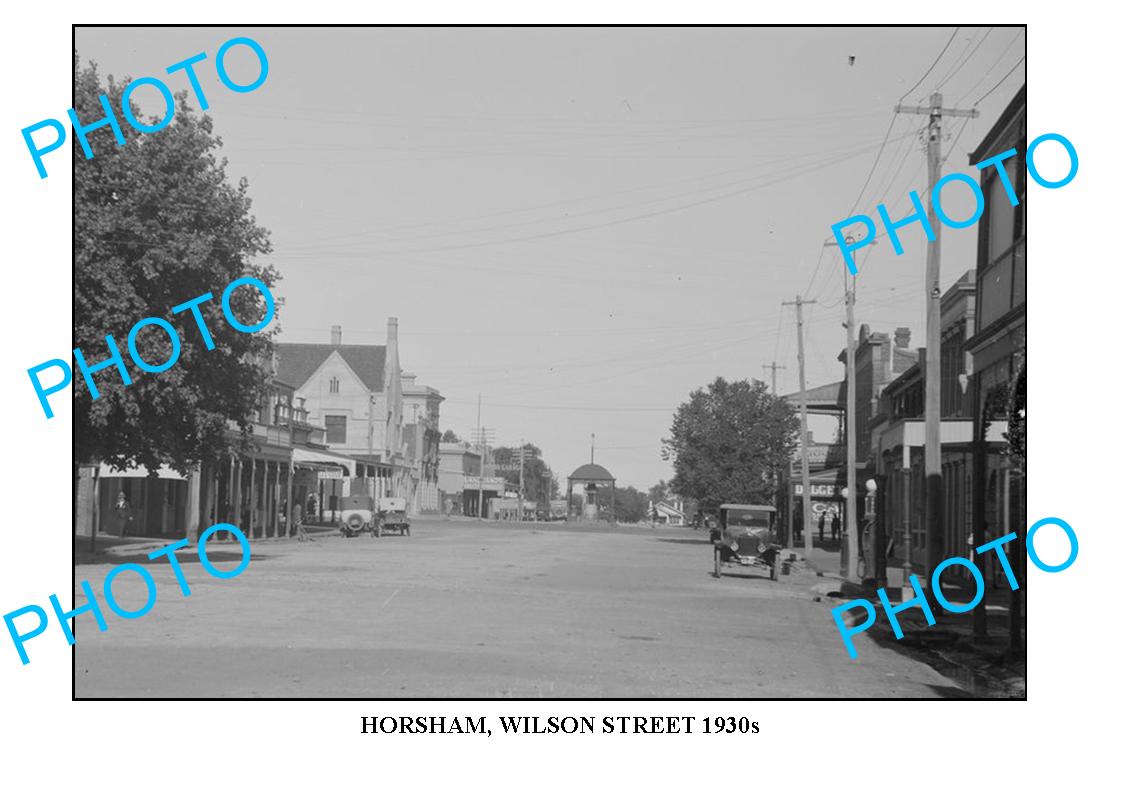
745,536
392,516
356,515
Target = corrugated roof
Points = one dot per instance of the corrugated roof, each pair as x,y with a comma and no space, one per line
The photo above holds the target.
831,396
298,361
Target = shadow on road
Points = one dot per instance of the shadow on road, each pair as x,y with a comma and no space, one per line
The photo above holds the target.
685,541
135,550
741,575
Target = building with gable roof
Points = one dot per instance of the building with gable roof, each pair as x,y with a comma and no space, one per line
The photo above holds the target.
372,413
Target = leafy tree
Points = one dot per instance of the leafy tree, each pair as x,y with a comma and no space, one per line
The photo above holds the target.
631,504
659,492
156,224
728,440
539,483
449,436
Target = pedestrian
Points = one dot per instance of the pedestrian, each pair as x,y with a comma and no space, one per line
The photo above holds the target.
836,526
298,521
124,514
822,525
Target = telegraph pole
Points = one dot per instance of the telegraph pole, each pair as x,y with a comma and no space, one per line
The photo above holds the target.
804,464
850,284
480,441
774,367
851,440
522,456
933,461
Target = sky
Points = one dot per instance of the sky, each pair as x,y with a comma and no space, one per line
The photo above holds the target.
580,226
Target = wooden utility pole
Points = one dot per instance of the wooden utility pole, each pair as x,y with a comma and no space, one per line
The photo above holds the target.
805,465
774,367
480,442
853,542
933,461
852,539
522,457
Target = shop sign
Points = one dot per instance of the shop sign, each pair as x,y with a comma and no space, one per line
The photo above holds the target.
819,490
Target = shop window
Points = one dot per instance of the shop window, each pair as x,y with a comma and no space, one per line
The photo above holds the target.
336,426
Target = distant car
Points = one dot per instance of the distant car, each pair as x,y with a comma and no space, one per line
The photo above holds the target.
392,516
357,515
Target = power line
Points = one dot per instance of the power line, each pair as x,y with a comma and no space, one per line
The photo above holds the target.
958,135
933,66
1000,82
991,68
963,63
892,119
801,171
563,202
886,187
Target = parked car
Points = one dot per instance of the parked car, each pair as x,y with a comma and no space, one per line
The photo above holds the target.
357,515
392,516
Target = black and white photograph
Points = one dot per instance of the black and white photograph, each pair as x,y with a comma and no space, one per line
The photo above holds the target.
619,362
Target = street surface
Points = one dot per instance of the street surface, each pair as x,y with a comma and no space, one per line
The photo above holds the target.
464,609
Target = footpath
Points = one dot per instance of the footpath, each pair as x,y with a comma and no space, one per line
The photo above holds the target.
986,667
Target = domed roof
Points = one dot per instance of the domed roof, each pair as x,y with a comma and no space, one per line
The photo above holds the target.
591,472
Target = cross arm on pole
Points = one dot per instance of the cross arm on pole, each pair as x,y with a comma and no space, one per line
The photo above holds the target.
971,113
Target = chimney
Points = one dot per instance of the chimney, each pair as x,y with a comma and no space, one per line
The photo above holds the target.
901,337
337,335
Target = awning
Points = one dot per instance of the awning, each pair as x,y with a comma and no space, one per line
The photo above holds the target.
317,460
141,472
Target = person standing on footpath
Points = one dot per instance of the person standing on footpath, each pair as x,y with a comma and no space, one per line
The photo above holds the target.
298,522
836,526
822,525
124,514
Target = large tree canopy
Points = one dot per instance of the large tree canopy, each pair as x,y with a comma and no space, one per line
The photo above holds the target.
728,441
156,224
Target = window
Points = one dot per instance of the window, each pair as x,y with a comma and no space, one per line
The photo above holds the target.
333,385
996,291
337,428
1020,274
1000,218
1001,282
951,366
